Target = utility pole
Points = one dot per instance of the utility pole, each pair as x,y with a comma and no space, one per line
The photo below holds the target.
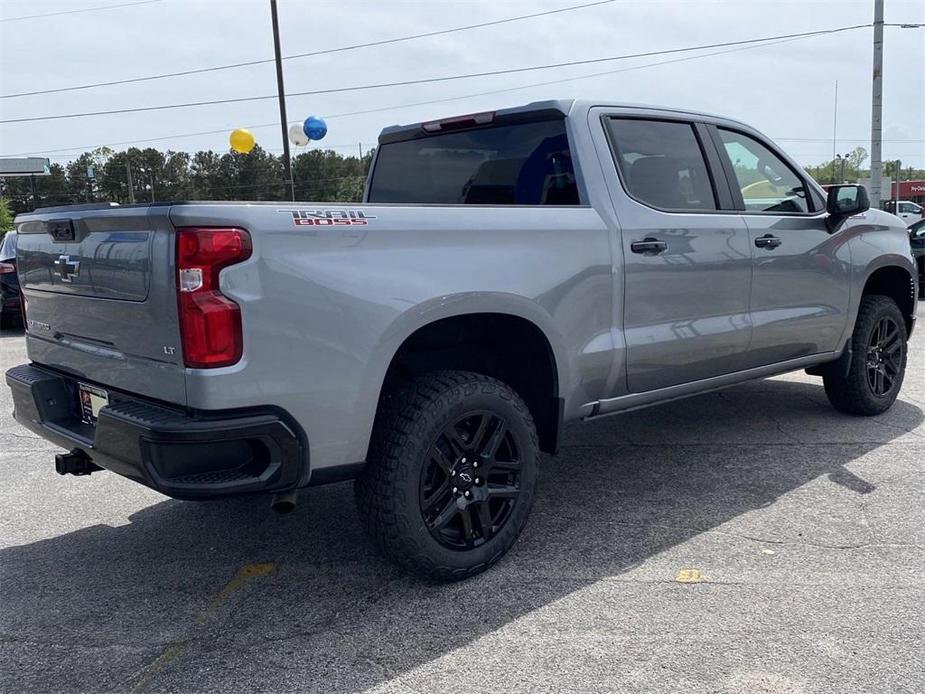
876,117
895,191
835,120
131,185
282,101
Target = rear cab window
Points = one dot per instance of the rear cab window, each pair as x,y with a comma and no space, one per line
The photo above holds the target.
526,163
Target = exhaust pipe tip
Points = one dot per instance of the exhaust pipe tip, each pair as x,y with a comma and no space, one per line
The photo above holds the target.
284,502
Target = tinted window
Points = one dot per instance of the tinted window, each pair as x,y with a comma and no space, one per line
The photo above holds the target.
523,164
766,182
662,164
8,246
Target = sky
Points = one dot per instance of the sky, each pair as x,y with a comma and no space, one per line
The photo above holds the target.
785,90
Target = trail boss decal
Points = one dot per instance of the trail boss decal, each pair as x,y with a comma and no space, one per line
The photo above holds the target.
328,218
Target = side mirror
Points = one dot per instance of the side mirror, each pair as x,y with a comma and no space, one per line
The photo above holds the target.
845,201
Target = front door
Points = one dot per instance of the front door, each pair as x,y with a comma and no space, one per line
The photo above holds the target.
687,265
799,293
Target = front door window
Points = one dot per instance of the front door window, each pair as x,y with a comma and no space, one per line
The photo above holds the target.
767,183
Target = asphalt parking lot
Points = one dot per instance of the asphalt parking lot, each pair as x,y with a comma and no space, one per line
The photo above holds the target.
752,540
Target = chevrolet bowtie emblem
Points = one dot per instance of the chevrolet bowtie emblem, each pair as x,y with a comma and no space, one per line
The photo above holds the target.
67,268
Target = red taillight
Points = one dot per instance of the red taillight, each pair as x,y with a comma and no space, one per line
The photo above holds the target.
7,268
210,323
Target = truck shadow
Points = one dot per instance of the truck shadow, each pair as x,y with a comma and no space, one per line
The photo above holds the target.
11,331
267,601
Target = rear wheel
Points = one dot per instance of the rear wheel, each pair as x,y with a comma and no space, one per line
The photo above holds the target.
451,476
878,362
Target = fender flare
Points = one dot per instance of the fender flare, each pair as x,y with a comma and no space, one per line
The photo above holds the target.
435,309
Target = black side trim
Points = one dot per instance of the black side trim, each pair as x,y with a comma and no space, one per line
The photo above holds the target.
738,201
338,473
718,174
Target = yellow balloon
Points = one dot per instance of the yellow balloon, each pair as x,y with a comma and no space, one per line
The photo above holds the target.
241,140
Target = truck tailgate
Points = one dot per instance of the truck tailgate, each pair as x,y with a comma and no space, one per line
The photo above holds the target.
101,298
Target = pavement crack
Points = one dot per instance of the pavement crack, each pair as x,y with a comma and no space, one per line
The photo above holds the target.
768,541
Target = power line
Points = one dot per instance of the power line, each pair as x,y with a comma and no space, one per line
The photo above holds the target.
327,51
414,104
438,101
838,139
85,9
448,78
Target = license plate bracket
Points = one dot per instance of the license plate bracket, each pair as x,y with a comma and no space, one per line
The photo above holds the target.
91,400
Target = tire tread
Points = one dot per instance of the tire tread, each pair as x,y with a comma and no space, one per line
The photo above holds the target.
851,394
405,415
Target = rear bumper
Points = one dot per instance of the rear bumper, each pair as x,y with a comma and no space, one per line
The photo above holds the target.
187,456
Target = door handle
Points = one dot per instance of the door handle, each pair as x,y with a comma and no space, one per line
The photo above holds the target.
768,241
649,246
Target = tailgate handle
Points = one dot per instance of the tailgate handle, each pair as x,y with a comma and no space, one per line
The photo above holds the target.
61,229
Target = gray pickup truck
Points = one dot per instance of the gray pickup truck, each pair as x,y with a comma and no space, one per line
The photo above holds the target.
507,272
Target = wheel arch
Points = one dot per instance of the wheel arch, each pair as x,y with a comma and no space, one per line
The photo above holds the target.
439,318
898,282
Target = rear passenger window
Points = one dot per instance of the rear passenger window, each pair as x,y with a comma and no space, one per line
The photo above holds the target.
767,183
661,163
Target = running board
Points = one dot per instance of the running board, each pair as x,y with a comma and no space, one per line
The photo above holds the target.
636,401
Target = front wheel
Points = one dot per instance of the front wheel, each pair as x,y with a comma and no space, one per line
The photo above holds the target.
878,361
451,474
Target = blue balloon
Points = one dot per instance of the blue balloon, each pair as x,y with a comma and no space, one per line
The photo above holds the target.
314,128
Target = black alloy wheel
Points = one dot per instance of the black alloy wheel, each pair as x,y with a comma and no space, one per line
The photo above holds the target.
884,356
471,481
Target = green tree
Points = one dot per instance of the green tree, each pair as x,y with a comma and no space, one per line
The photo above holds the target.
856,158
350,189
6,217
320,175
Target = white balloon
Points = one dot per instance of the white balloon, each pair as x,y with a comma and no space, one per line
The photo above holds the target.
297,135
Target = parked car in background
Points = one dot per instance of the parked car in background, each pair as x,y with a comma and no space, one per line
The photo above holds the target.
908,211
10,298
917,241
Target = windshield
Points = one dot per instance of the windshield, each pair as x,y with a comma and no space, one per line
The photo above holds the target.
8,246
522,164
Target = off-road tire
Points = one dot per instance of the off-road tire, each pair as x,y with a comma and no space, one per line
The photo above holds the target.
410,420
851,392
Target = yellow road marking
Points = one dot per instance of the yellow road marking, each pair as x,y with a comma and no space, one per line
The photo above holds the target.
175,649
245,574
689,576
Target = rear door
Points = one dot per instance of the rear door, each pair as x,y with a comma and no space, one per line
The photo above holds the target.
101,298
687,262
800,287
